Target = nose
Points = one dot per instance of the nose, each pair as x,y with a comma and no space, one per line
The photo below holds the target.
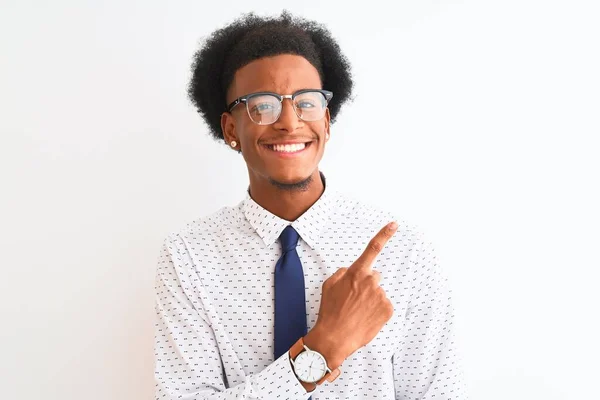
288,119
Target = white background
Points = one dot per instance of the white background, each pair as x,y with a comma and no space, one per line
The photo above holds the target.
477,120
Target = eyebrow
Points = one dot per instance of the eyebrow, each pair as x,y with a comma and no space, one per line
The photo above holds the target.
270,91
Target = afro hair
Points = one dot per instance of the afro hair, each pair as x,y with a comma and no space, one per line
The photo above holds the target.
251,37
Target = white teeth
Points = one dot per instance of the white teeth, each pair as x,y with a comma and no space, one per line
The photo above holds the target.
289,148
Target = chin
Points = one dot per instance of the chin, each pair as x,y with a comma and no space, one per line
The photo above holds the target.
295,181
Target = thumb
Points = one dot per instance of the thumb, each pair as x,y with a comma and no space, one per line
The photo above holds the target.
337,276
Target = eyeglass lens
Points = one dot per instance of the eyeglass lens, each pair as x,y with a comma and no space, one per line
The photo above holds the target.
265,108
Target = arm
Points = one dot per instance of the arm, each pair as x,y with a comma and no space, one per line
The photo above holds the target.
187,359
426,364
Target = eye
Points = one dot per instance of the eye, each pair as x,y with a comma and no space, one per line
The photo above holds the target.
305,104
263,107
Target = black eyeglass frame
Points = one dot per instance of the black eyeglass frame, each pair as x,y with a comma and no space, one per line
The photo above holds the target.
244,99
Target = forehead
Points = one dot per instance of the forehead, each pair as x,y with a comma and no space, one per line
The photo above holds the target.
283,74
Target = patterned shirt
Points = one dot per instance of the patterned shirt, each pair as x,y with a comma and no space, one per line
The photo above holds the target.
215,306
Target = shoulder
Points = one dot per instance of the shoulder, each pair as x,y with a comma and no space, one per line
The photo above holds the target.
351,210
208,226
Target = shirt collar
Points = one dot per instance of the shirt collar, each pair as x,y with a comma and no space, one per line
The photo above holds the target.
309,225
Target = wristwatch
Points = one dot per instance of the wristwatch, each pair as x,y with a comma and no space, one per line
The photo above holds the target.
310,366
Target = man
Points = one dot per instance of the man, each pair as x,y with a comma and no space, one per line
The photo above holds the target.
298,291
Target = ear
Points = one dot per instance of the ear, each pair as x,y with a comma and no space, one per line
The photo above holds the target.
228,128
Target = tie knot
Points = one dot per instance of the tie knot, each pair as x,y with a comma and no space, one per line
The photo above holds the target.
289,239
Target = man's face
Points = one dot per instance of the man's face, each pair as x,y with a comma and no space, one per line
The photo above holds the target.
282,74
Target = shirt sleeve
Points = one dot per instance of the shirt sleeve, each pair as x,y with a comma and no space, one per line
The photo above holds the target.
187,360
427,364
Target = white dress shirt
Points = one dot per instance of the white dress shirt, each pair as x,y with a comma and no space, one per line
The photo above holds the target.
215,306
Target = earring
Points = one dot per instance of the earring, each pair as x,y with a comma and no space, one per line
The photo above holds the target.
233,144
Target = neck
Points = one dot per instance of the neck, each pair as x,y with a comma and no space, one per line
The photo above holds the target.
286,203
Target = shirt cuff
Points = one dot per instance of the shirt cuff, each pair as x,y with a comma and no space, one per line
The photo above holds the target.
279,380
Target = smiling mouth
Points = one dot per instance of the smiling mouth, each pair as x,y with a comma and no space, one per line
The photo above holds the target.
288,149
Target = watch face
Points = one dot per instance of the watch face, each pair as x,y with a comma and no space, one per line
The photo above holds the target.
310,366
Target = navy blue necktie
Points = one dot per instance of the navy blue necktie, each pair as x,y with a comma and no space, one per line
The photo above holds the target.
290,304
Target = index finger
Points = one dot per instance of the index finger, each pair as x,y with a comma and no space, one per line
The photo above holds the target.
367,258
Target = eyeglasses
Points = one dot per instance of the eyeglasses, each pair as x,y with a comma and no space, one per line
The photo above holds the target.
264,108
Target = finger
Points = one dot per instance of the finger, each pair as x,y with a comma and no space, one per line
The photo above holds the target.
336,276
377,276
367,258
